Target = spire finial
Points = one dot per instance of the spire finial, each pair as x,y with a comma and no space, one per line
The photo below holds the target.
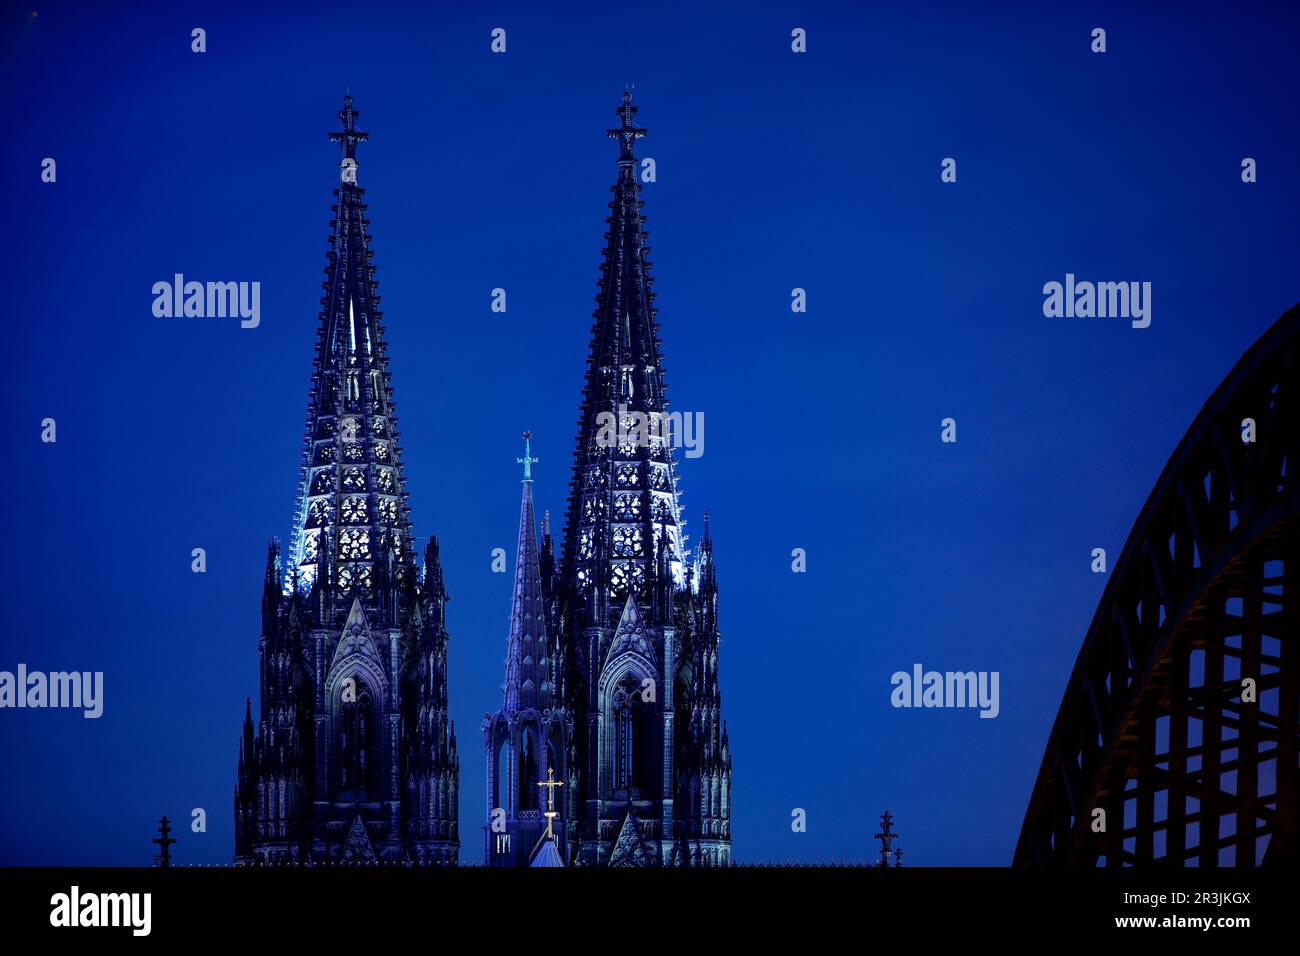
528,460
627,132
550,783
349,136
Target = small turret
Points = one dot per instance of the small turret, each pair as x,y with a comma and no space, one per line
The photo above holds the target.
272,589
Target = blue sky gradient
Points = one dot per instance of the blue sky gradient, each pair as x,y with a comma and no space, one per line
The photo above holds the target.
775,171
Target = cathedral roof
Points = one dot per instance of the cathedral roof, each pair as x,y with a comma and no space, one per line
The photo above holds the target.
548,854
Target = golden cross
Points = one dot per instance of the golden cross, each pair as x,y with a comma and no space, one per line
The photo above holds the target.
550,783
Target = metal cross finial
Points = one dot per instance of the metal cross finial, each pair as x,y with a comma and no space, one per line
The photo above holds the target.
627,132
528,460
550,783
349,136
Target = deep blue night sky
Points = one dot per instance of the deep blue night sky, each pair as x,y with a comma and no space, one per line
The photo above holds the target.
775,170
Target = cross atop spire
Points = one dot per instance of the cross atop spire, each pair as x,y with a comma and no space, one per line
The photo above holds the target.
528,460
550,783
349,136
627,132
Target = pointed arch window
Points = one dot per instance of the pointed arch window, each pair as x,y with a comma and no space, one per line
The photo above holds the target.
357,742
624,733
528,772
502,784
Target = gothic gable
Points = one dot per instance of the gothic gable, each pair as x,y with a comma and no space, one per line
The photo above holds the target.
630,848
630,636
356,641
358,847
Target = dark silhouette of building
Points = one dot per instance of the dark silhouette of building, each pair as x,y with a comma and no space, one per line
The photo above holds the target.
636,660
353,757
1177,740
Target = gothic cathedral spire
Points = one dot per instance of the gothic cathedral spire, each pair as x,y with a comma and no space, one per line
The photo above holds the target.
650,771
526,740
354,756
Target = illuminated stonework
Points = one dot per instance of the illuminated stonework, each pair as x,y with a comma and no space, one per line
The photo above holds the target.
649,776
353,757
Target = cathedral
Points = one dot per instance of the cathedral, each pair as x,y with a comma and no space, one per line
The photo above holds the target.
608,748
353,758
612,656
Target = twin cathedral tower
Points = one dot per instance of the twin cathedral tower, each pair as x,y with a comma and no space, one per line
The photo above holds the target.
608,747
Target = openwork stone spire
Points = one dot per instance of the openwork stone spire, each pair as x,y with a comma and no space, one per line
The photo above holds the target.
352,518
353,756
623,494
526,742
527,684
636,655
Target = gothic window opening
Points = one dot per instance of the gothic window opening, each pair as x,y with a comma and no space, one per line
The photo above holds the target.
622,742
627,475
354,544
319,513
630,741
627,542
353,511
528,772
358,743
618,579
502,784
351,576
310,545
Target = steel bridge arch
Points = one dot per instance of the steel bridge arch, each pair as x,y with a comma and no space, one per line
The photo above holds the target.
1152,728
